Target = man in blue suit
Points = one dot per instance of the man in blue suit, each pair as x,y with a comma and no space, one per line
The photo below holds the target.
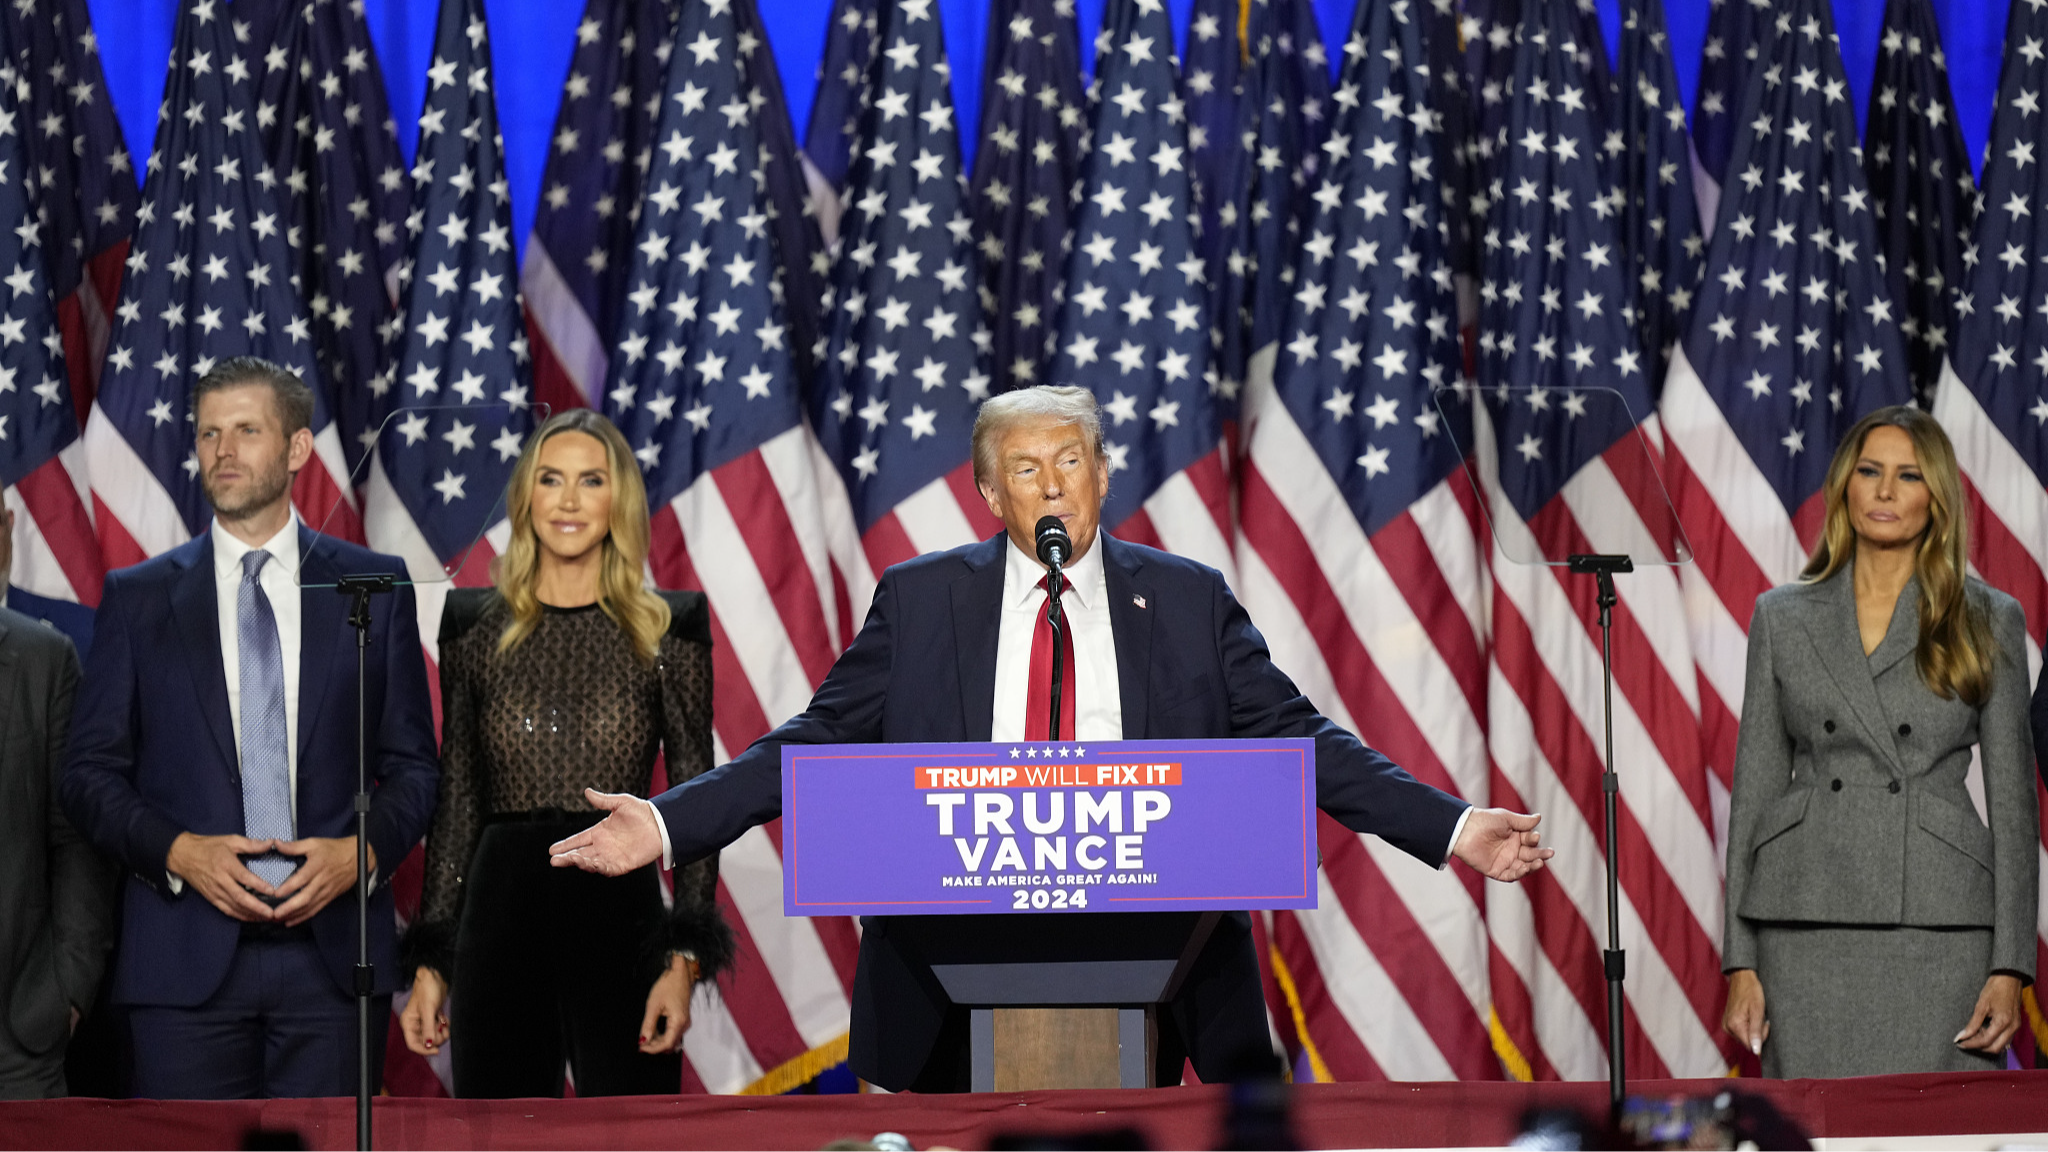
213,753
955,648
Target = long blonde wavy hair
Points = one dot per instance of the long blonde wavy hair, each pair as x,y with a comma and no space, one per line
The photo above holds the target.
622,592
1956,648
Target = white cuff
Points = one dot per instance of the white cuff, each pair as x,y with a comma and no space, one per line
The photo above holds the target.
1457,830
177,883
668,852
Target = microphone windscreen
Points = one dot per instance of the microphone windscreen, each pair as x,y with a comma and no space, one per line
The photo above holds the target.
1052,534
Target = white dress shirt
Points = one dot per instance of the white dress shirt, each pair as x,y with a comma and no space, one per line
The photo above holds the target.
1094,688
280,582
1091,693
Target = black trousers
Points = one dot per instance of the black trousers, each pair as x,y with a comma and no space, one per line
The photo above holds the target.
552,967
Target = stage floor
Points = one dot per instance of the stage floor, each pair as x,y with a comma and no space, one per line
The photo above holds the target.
1978,1110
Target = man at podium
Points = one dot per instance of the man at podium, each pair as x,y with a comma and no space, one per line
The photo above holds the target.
957,647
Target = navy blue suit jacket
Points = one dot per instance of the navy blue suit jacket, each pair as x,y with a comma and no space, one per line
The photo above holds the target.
1189,665
153,754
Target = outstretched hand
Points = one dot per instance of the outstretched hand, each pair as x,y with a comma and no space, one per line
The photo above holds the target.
1502,844
625,839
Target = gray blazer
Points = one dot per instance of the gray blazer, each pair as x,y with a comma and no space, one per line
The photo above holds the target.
1849,805
56,890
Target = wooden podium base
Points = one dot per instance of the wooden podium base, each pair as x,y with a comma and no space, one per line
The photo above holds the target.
1030,1049
1078,995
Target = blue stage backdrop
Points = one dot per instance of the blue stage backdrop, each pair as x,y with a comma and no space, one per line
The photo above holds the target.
531,40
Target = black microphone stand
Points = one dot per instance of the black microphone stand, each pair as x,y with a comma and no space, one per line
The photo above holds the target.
359,588
1055,582
1603,569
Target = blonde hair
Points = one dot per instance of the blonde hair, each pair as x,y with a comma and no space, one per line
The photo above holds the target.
622,593
1956,648
1063,403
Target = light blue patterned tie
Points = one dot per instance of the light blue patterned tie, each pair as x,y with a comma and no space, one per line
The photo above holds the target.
266,771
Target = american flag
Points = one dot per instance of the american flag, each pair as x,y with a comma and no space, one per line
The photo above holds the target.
37,420
1660,227
1490,29
703,383
793,208
837,107
1734,29
902,357
1793,337
1487,29
1452,96
1923,191
87,196
1033,131
210,275
1287,106
1357,555
1562,374
574,276
1213,84
322,108
458,370
1993,397
1134,325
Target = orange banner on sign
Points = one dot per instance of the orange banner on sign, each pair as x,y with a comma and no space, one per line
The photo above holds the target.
1050,776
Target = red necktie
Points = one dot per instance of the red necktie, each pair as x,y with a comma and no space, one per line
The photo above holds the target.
1038,698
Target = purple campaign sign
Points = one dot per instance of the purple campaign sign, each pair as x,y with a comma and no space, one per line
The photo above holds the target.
1115,826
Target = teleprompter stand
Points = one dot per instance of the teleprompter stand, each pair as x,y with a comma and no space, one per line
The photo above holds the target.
359,588
1603,568
1049,998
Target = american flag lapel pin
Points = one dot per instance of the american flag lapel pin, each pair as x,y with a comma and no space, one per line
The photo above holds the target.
1138,600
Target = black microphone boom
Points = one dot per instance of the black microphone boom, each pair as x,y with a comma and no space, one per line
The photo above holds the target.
1054,545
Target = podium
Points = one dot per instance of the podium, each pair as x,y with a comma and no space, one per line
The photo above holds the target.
1059,892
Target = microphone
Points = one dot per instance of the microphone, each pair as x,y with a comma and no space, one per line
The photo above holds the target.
1054,545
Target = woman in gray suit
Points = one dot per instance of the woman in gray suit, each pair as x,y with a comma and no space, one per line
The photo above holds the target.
1874,923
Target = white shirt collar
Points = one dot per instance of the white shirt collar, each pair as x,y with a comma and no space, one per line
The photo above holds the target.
228,549
1084,576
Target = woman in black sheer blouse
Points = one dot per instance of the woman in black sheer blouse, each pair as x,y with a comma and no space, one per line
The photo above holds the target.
572,673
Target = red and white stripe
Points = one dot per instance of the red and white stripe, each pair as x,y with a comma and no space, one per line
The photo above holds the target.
1189,515
56,554
1385,635
569,355
782,601
945,513
2008,532
1544,730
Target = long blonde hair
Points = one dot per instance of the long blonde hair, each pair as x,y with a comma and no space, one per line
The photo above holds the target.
622,593
1956,648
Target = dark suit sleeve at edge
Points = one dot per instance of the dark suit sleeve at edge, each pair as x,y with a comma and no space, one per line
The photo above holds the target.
407,770
81,880
711,811
1355,784
99,774
2009,799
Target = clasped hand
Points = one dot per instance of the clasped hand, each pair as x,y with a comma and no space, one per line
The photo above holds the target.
215,868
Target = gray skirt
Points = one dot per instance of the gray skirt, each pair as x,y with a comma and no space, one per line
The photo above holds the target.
1849,1000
